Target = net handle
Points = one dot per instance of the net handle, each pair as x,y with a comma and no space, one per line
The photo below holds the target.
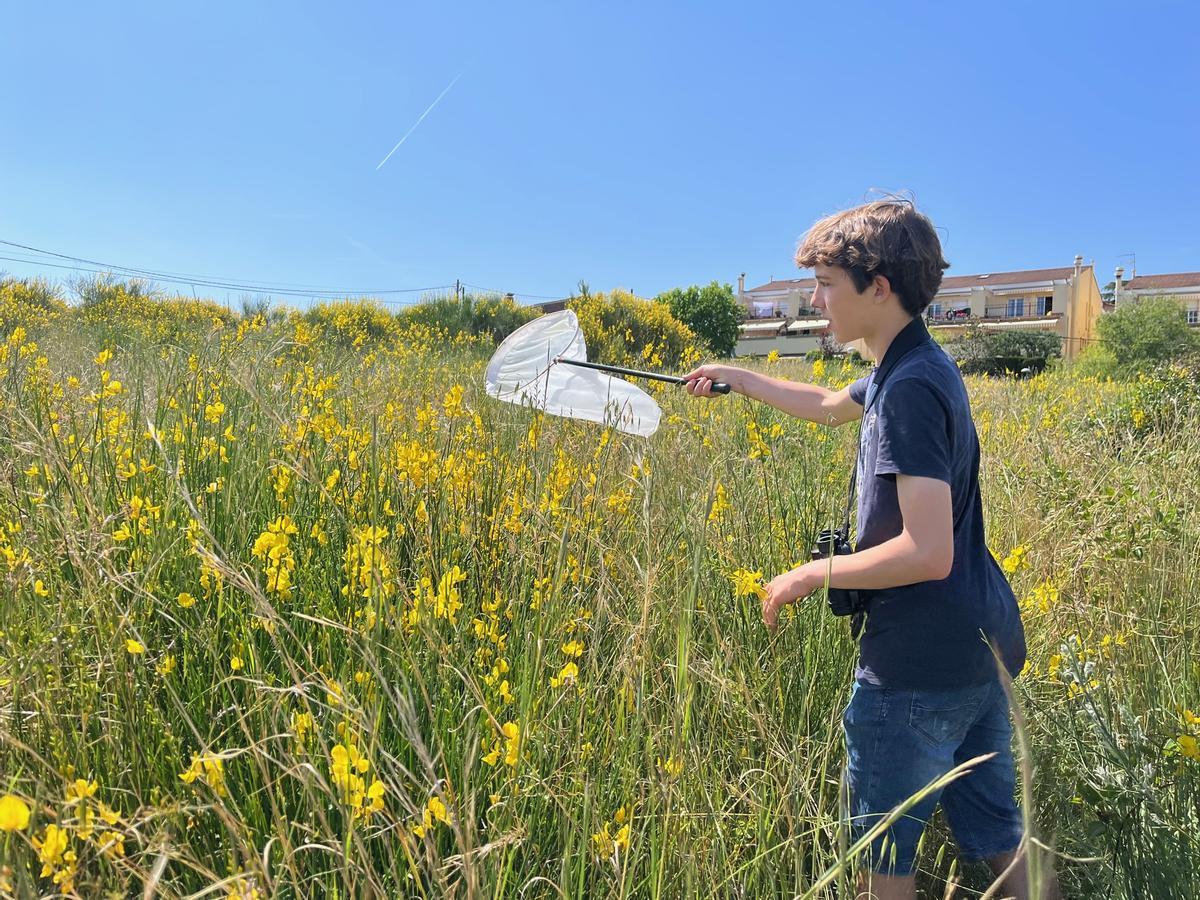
718,387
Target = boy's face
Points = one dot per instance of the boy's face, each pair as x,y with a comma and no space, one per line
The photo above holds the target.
846,309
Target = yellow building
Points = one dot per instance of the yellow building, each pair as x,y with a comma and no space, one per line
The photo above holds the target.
779,317
1064,301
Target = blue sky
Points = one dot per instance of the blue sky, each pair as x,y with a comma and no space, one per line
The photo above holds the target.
644,145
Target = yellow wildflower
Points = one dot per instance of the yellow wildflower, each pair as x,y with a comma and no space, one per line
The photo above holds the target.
671,767
511,732
211,767
1188,746
80,789
14,813
57,858
1016,560
112,844
747,583
567,675
302,724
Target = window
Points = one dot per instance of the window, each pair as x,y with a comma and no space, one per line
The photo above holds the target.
935,311
1044,305
1016,306
764,309
1194,316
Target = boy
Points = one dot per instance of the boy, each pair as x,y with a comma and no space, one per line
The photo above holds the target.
927,695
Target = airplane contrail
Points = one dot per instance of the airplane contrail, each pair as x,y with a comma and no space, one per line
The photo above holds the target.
418,122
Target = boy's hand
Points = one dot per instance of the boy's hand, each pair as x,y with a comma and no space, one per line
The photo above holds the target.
700,380
788,588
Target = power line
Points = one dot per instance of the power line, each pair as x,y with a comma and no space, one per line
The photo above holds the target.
230,284
253,286
514,293
189,276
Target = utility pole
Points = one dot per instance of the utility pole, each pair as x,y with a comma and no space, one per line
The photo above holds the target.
457,289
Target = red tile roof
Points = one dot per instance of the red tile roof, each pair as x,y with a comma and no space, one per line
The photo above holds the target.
952,282
1153,282
785,285
994,278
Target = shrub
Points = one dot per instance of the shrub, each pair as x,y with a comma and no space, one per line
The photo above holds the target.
353,322
996,352
1163,400
492,317
711,312
255,306
28,303
1096,361
1147,332
117,310
624,330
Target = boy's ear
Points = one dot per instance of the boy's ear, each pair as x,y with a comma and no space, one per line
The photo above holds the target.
880,288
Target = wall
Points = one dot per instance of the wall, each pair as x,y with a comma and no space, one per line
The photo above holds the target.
1082,314
795,345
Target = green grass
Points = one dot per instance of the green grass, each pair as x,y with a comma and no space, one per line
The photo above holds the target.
721,744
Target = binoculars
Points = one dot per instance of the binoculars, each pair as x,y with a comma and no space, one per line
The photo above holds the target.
842,601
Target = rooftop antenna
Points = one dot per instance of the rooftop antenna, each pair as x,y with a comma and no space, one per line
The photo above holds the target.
1132,264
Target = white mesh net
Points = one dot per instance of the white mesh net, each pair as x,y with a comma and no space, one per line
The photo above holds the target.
523,371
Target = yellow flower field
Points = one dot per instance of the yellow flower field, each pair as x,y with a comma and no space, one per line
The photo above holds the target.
292,608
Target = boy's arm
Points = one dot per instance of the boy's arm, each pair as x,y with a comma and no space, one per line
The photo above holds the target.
805,401
922,551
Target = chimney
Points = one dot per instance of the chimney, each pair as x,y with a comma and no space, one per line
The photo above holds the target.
1118,279
741,284
1078,264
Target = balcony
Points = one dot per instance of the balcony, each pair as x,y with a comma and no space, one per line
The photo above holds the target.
782,311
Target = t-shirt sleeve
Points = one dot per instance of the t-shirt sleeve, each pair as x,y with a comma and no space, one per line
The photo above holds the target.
914,431
858,390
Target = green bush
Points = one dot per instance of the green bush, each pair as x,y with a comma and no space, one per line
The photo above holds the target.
28,303
711,312
1166,398
624,330
121,310
492,317
1096,361
1148,332
983,352
1163,400
353,323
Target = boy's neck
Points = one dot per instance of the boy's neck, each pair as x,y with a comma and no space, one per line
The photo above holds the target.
886,331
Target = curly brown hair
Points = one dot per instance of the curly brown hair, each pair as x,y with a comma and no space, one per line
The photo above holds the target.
885,237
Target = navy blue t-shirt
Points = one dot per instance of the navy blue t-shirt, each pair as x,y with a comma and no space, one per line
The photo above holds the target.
929,634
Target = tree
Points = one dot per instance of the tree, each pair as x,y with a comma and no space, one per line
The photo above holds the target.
712,312
1146,332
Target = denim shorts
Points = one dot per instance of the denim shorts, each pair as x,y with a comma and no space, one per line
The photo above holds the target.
897,741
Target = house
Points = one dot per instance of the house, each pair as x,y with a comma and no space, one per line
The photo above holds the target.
778,317
1063,301
1181,286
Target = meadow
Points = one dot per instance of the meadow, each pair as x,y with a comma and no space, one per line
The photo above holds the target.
292,608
